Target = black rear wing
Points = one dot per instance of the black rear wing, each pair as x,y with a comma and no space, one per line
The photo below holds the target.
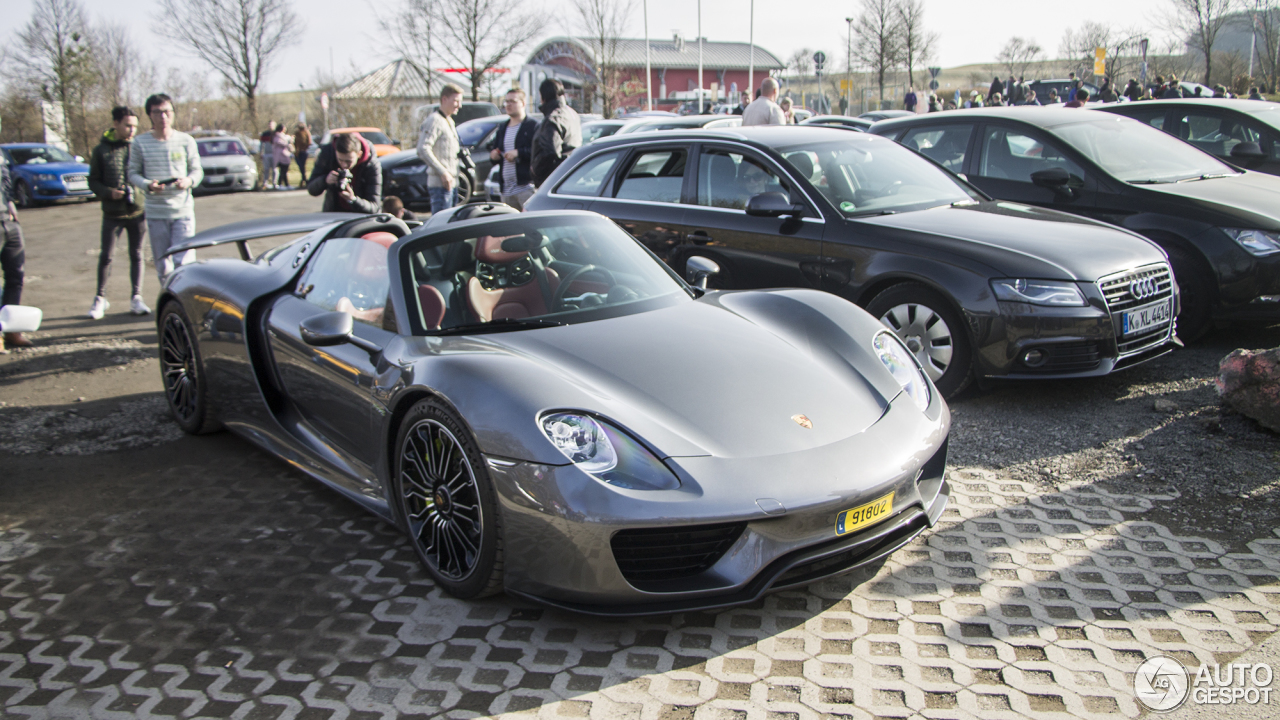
242,232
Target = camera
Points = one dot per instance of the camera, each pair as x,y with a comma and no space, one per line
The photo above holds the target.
344,179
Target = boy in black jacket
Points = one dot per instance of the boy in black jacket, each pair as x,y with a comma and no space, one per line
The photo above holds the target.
109,180
512,148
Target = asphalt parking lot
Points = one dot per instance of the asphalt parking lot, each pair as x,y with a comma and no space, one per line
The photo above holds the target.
145,573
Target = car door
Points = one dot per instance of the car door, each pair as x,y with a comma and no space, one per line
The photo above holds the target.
1007,156
645,195
331,387
1218,132
753,252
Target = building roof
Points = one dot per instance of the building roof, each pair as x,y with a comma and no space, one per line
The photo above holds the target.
664,53
397,79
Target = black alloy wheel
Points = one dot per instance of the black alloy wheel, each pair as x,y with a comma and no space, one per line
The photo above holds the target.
931,330
465,187
1195,317
23,193
446,502
182,373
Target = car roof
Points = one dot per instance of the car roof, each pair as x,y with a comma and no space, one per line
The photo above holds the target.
1252,107
26,145
1045,117
765,136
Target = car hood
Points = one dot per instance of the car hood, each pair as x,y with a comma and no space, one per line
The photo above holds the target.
217,161
1250,200
722,377
1024,241
57,168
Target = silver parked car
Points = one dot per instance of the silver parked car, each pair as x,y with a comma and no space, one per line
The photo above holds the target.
227,164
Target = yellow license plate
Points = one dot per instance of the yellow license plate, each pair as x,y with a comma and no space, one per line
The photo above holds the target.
864,515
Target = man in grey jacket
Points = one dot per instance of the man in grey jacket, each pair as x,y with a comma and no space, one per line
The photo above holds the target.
438,147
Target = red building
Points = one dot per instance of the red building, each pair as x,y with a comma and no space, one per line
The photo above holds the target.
673,76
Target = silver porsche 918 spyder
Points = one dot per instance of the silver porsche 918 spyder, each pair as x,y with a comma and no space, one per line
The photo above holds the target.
545,408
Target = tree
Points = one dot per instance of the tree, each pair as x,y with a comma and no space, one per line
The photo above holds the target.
237,38
480,34
877,39
1079,46
1018,54
119,64
800,64
1199,22
604,22
1263,20
408,28
917,43
55,57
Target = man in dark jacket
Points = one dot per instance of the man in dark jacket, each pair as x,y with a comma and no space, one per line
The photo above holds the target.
13,256
109,180
349,174
559,134
512,149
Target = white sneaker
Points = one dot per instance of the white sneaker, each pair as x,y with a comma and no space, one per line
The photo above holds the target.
137,307
99,308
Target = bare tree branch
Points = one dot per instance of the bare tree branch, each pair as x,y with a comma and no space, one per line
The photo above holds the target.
480,34
604,22
917,43
1018,54
877,39
1198,22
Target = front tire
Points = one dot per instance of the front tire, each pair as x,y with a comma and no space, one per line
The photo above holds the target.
932,331
445,500
1197,315
182,372
465,187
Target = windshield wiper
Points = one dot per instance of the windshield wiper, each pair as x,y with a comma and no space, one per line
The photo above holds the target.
1209,177
1150,182
503,325
870,213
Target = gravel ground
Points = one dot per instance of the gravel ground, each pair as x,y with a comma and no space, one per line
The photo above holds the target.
1159,427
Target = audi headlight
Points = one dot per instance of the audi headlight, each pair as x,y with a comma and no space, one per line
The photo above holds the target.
1038,292
904,368
606,453
1259,243
46,177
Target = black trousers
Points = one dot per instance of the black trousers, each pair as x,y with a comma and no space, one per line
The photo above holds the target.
13,256
302,167
136,228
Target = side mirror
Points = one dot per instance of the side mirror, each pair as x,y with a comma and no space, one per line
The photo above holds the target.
325,330
1055,178
333,328
772,204
698,268
1248,154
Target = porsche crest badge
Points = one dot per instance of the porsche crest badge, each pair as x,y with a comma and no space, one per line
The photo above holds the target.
803,421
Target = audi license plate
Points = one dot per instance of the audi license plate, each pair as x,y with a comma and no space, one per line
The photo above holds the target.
74,185
864,515
1147,317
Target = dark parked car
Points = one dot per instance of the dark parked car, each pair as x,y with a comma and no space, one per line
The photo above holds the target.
470,110
405,175
498,386
1062,86
1219,226
44,173
974,287
858,124
1242,132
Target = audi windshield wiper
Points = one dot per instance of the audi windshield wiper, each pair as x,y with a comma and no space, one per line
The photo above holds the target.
1209,177
503,325
869,213
1150,182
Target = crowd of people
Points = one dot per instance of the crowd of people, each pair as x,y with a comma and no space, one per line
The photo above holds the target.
1019,92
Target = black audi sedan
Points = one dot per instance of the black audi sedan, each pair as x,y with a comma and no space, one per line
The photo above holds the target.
1220,226
1241,132
975,287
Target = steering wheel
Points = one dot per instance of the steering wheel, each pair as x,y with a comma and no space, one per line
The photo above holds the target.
557,300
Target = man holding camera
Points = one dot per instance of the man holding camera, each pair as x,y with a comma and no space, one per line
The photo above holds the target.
166,163
349,174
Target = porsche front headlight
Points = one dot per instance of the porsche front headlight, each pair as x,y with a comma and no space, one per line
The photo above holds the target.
1038,292
1258,243
606,453
903,367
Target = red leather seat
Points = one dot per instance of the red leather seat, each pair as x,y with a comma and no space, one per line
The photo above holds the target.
433,307
519,301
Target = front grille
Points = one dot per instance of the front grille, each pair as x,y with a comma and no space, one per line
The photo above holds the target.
1120,298
215,171
812,570
653,556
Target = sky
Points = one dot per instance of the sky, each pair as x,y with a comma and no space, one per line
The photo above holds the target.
971,31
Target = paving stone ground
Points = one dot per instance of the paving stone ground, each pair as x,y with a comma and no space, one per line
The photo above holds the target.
247,591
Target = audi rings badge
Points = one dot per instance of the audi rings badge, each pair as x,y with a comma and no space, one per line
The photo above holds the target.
1143,288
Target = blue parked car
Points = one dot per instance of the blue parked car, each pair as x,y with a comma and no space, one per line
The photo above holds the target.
44,173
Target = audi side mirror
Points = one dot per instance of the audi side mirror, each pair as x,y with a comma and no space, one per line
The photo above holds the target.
772,204
1054,178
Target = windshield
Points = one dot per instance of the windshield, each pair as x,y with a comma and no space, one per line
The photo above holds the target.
209,148
548,270
376,137
1135,152
597,130
39,155
471,133
874,176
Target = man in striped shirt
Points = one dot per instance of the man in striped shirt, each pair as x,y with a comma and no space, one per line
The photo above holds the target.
166,164
513,148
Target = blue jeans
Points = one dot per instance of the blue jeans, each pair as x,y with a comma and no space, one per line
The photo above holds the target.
442,199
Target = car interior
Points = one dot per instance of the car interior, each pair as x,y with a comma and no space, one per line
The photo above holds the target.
729,180
1012,156
349,271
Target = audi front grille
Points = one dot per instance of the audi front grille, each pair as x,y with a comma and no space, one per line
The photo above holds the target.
1134,289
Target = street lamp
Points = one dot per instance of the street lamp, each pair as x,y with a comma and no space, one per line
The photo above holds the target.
848,71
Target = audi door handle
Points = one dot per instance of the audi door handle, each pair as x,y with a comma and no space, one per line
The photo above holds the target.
699,238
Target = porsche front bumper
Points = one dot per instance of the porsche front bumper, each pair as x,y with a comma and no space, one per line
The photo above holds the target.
776,516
